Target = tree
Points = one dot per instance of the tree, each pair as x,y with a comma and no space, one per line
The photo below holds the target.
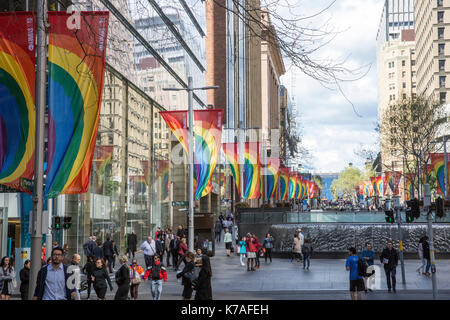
408,135
348,181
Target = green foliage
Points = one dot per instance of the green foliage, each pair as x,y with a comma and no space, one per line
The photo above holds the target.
347,182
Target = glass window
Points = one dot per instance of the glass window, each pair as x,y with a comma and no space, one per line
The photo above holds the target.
442,96
440,16
441,48
441,32
442,81
403,63
441,65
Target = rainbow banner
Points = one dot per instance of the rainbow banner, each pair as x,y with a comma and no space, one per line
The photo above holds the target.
298,188
252,170
138,185
207,139
393,181
385,185
303,189
231,151
102,158
373,182
311,190
17,112
273,165
292,186
76,63
379,185
361,188
283,183
437,165
162,173
409,191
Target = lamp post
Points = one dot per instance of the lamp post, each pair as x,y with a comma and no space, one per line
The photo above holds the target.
190,90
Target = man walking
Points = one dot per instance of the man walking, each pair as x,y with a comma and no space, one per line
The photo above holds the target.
218,230
389,258
356,281
131,244
108,253
301,239
368,255
52,280
89,246
149,249
174,247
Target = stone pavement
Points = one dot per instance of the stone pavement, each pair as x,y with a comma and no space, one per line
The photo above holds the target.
283,280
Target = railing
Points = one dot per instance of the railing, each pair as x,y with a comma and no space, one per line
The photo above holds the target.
326,217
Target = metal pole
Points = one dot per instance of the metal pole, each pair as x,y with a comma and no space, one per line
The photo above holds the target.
445,170
48,232
191,165
4,240
41,61
400,238
430,237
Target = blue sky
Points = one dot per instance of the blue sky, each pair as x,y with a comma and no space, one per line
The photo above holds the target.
332,131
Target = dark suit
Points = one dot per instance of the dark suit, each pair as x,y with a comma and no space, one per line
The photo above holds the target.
131,244
108,252
174,251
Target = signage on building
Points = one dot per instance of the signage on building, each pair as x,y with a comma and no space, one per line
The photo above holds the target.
180,203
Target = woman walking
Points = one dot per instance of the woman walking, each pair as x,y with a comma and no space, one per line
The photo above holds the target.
228,241
202,285
420,269
7,276
88,269
426,255
242,250
259,251
136,273
99,278
182,250
307,251
251,252
25,279
186,281
296,250
122,280
268,246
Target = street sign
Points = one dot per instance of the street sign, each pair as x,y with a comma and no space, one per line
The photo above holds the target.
180,203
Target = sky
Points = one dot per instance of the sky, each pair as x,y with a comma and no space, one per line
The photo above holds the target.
331,129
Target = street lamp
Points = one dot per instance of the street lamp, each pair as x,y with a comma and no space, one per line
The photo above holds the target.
190,90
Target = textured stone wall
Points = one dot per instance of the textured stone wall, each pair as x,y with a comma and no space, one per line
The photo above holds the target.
335,237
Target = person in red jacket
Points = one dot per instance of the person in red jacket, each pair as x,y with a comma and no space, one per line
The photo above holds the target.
158,274
182,250
258,251
251,252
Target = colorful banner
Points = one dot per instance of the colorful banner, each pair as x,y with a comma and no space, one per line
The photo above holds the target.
273,165
292,185
393,181
283,183
231,151
298,188
385,186
379,185
102,158
162,173
252,170
373,182
361,188
17,112
207,139
409,191
76,62
311,190
437,165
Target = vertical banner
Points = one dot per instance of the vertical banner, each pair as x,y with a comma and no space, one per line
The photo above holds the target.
361,188
385,185
283,183
252,170
311,190
373,182
102,159
231,151
379,184
273,165
396,182
437,165
76,63
17,112
292,186
298,188
162,173
409,192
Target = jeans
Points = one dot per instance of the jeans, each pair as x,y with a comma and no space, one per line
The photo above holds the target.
306,258
168,257
156,289
390,273
427,269
148,261
420,268
110,260
218,234
241,258
268,254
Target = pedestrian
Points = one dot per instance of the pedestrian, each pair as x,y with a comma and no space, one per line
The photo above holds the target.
174,247
7,278
186,281
180,232
131,244
160,245
89,246
301,238
307,251
251,252
268,246
202,285
99,277
66,260
182,250
389,258
108,252
157,275
136,274
218,230
198,253
296,249
426,255
259,251
115,253
167,243
149,249
98,250
122,279
52,279
228,241
88,270
421,268
25,279
368,256
242,250
74,263
356,281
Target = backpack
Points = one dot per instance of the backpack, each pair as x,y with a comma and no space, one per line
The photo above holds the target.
362,268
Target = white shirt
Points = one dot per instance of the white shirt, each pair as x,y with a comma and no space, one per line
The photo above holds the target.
55,284
148,248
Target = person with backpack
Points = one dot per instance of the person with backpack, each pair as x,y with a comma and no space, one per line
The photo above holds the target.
389,258
88,246
307,250
123,280
353,265
368,255
158,274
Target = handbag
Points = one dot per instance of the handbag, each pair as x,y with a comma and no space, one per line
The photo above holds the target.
135,280
191,276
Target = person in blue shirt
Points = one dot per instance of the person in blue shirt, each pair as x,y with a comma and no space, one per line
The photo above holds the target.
367,255
356,281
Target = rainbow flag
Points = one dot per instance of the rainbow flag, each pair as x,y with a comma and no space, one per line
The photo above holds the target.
207,139
379,185
437,165
283,183
273,166
385,185
409,192
102,158
162,173
231,151
298,190
373,182
292,186
311,190
138,184
252,170
76,62
17,112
